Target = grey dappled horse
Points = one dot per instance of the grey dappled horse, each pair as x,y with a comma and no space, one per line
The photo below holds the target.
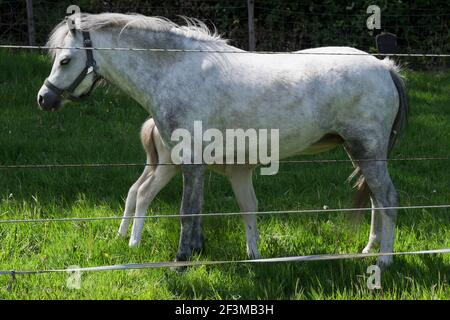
319,99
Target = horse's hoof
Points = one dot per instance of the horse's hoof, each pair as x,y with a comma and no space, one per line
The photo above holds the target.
385,261
197,245
197,248
181,258
179,269
253,254
133,243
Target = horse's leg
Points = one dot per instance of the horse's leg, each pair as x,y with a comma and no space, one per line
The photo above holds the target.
382,189
241,182
197,235
385,195
375,229
145,194
192,203
130,203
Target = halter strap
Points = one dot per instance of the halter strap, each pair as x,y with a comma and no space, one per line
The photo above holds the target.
90,66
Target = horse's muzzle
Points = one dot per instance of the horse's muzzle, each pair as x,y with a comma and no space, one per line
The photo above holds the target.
48,100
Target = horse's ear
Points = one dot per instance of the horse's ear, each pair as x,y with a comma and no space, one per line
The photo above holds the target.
70,25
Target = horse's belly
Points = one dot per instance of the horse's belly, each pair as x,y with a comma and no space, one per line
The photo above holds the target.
326,143
308,145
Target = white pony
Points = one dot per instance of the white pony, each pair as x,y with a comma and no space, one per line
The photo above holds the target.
159,170
309,96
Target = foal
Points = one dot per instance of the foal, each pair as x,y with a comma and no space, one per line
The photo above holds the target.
160,170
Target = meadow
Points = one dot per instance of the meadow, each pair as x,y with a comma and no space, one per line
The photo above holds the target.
105,129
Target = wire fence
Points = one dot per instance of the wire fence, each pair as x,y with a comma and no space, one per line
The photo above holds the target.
420,55
267,20
197,263
150,265
279,26
217,214
99,165
182,264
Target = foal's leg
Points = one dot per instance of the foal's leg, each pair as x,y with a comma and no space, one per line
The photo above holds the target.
375,229
145,194
385,196
130,203
382,189
241,182
192,203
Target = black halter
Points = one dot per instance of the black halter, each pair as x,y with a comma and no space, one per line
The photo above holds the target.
90,67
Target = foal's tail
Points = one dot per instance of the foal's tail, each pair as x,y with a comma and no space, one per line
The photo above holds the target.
363,192
148,142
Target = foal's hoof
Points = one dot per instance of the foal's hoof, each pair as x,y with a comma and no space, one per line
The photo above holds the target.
372,244
367,249
121,235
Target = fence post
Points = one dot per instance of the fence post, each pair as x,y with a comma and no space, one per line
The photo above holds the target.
251,24
30,23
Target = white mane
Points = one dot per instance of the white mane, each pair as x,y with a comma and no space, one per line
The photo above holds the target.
194,28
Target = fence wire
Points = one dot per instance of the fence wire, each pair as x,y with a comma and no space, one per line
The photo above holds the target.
422,55
109,165
181,264
216,214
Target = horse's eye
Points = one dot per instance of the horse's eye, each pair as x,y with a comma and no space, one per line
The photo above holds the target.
64,61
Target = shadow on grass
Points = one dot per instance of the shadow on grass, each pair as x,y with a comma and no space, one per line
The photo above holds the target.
312,280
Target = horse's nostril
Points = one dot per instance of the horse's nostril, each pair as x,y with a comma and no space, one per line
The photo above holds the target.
40,99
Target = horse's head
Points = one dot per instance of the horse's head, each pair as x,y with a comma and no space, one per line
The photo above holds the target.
73,74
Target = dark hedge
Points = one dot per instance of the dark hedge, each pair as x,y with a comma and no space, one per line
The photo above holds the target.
422,26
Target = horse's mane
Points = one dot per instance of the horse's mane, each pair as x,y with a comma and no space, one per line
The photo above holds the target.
193,29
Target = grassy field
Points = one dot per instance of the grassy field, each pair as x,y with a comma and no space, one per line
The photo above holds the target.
105,129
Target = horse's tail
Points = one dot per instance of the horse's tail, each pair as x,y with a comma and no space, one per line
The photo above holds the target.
401,120
148,142
362,196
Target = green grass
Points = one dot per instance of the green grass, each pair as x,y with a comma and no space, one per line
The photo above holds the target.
105,129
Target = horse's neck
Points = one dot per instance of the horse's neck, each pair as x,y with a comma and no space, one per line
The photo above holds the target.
131,71
150,77
138,72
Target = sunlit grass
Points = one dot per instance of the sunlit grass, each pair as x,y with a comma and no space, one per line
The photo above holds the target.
105,130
